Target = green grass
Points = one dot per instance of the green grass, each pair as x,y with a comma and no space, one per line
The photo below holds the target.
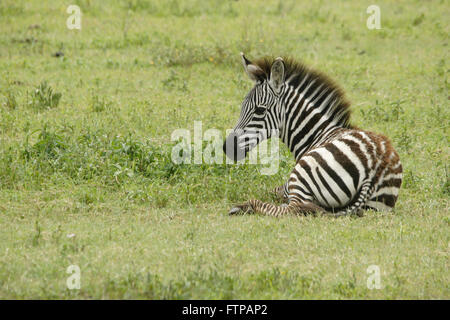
85,149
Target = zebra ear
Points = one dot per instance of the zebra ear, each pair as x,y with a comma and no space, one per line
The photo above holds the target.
277,74
253,71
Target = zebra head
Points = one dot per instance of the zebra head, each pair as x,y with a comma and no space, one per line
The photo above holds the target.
260,111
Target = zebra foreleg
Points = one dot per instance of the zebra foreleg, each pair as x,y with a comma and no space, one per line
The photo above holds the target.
269,209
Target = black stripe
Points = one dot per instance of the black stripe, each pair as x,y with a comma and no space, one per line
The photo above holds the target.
327,186
303,114
307,128
322,98
305,84
313,136
312,88
322,163
303,181
290,121
345,162
393,182
387,199
297,187
359,153
307,168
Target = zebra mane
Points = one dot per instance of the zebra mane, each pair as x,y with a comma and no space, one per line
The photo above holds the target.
295,73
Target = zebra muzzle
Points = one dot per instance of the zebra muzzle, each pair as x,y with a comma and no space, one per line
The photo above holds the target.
232,149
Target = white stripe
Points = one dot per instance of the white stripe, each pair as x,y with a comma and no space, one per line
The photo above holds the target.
362,147
378,205
340,171
330,199
312,164
308,118
393,176
299,112
312,96
297,183
386,190
302,95
380,181
396,166
353,158
374,147
383,146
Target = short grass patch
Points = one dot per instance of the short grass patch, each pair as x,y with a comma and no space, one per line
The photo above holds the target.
87,178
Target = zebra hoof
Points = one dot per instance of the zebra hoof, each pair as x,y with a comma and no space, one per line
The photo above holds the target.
234,210
240,209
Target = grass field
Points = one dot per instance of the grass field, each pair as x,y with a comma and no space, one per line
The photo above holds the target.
86,176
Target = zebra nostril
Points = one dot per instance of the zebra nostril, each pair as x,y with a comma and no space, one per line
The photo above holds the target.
231,148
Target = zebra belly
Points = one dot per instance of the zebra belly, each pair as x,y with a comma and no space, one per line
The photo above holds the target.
327,178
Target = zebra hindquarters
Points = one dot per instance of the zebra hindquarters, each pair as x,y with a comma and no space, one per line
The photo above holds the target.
356,170
326,179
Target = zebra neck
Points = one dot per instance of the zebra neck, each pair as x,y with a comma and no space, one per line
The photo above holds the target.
312,117
316,140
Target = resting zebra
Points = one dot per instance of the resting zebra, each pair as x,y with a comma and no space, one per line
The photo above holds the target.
340,168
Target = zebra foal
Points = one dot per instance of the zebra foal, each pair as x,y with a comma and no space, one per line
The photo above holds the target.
340,168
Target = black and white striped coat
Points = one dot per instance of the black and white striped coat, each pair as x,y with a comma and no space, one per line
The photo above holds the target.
340,168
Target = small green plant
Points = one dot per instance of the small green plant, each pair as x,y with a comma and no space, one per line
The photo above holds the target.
384,112
43,97
10,100
49,145
418,20
97,187
99,104
404,140
175,82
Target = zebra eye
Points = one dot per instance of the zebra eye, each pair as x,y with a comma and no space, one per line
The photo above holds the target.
260,110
